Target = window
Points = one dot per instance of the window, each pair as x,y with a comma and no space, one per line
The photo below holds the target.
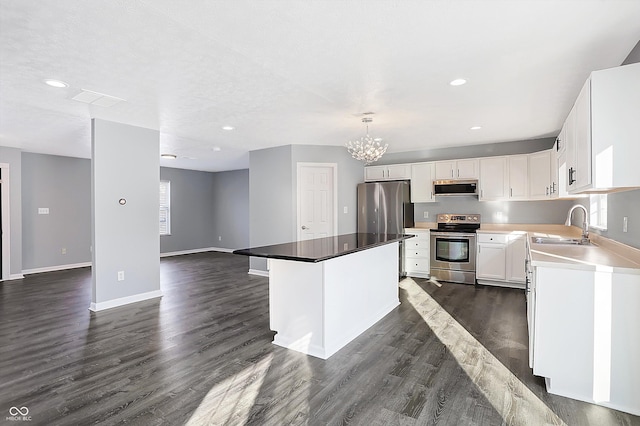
165,207
598,211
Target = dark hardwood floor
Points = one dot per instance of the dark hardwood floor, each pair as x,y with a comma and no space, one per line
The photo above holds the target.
202,355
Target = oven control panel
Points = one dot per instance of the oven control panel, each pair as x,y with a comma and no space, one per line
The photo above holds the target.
458,218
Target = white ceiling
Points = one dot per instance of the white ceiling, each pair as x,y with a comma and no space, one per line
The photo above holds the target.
301,72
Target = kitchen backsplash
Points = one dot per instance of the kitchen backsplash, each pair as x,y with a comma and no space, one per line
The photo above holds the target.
551,211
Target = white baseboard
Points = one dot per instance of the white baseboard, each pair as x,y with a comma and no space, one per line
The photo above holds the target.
55,268
259,272
15,277
101,306
194,251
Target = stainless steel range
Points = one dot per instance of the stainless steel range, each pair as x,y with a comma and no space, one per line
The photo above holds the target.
453,248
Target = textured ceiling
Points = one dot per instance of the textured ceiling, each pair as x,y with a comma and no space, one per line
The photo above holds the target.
301,72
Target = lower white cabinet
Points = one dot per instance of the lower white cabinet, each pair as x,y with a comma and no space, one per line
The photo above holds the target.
586,335
500,259
417,253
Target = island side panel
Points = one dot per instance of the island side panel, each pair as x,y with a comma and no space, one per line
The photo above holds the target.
359,289
296,305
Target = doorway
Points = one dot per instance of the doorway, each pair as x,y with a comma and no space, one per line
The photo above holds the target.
317,203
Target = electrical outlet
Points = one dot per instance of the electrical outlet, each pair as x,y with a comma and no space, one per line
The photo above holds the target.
219,237
345,210
43,210
426,215
63,250
624,224
120,275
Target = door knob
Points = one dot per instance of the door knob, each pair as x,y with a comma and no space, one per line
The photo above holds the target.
304,227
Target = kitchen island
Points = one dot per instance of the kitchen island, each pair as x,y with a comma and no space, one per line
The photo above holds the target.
325,292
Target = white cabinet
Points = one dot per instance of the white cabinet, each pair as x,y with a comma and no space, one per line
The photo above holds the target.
457,169
422,176
516,254
493,179
602,132
540,175
500,259
579,148
390,172
417,253
586,327
554,189
518,177
491,259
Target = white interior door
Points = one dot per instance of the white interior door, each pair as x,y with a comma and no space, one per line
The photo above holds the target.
317,204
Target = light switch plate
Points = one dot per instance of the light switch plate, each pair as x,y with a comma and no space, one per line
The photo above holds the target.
345,210
624,224
43,210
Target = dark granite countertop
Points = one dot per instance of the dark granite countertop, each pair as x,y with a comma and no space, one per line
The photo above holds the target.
320,249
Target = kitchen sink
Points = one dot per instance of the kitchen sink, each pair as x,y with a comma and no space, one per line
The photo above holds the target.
568,241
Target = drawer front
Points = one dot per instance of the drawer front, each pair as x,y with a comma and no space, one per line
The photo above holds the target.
417,253
417,243
492,238
418,265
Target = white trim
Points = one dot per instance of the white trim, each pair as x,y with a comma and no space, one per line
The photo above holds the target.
5,205
334,167
193,251
259,272
55,268
101,306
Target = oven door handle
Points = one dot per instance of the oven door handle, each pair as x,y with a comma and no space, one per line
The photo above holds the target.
452,234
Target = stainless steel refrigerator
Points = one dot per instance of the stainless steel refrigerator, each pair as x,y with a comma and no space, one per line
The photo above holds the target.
385,208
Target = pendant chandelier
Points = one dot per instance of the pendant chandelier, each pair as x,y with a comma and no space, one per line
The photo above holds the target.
366,148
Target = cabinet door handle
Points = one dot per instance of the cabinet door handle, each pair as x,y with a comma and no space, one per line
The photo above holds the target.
554,187
451,172
572,172
510,192
546,191
458,172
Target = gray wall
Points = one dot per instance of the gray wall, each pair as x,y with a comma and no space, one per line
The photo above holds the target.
62,184
550,211
273,186
622,204
191,207
350,174
634,55
13,157
230,199
125,163
471,151
270,195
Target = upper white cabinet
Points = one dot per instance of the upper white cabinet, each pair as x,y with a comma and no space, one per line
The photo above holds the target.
540,175
390,172
602,132
518,177
457,169
422,175
493,179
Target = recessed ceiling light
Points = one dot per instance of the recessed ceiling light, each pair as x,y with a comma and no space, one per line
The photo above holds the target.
56,83
476,128
169,156
228,127
458,82
217,148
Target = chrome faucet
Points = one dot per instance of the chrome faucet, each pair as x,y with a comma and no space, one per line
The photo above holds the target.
585,224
